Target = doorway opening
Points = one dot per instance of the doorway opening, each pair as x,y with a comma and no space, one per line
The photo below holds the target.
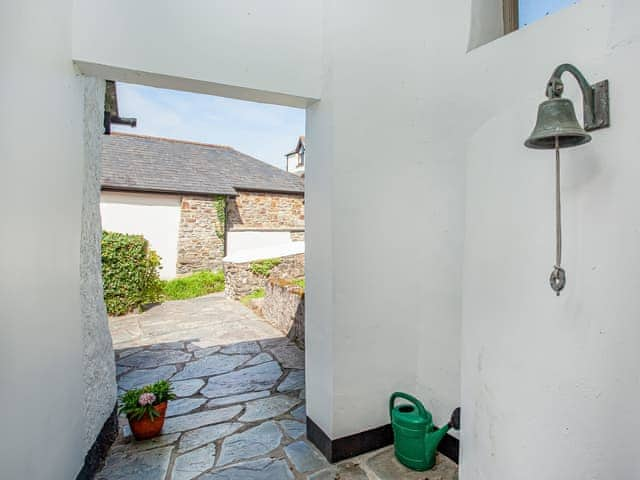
203,181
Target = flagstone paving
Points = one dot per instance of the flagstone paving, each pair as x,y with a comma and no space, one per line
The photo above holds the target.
240,413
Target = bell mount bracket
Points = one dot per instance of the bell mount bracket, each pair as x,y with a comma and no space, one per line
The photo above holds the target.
595,97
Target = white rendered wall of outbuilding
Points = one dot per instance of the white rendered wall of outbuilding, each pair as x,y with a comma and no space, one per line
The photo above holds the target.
154,216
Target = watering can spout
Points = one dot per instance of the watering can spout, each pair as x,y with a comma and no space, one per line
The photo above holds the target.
433,439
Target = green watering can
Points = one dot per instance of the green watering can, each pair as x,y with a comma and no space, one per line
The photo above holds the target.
416,439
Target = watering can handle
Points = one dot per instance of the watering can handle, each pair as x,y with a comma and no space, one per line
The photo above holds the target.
406,396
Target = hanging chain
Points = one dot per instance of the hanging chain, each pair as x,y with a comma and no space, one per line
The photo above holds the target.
558,275
558,213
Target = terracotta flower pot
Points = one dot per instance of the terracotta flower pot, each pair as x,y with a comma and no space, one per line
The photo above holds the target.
146,428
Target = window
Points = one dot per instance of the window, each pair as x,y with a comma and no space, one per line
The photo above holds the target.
520,13
491,19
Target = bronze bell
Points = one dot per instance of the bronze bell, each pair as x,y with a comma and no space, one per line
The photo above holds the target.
557,118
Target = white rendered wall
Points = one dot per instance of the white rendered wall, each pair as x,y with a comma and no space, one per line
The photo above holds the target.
383,310
249,240
550,384
292,163
154,216
266,252
248,49
46,355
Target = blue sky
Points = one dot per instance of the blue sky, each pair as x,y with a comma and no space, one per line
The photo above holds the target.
266,132
532,10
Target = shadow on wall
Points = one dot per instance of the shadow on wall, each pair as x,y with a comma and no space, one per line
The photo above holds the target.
233,215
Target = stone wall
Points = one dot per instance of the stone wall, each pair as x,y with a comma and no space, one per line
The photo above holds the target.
241,281
200,235
283,307
265,210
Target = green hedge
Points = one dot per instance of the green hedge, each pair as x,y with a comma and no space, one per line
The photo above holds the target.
129,272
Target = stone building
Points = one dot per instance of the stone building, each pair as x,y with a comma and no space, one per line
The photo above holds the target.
196,202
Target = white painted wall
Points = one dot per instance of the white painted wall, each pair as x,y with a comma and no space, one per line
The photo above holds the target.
248,49
550,385
46,357
154,216
293,164
248,240
266,252
384,307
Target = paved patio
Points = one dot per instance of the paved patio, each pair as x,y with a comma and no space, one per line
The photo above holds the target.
240,408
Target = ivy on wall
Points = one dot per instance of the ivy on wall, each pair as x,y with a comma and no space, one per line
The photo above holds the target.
129,272
220,203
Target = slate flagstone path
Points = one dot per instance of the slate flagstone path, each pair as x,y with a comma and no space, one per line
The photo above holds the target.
240,413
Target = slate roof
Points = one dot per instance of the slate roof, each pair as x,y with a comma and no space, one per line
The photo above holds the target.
151,164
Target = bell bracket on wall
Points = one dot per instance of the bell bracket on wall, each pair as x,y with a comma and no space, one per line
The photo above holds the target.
595,98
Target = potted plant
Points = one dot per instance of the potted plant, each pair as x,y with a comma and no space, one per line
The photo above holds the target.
146,407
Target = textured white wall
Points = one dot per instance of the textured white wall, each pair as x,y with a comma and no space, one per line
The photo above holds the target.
249,240
152,215
46,356
98,363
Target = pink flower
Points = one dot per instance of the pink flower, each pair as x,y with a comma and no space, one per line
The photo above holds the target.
146,399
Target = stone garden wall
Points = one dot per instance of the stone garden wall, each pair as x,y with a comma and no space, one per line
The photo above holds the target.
201,232
200,235
266,211
283,307
241,281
